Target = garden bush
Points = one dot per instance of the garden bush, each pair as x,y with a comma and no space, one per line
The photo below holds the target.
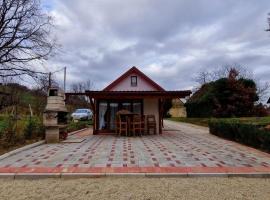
9,131
230,96
33,128
74,126
3,125
248,133
21,128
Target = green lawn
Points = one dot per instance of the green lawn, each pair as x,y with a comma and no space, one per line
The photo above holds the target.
3,125
197,121
261,121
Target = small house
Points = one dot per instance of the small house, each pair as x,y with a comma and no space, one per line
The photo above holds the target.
178,108
132,91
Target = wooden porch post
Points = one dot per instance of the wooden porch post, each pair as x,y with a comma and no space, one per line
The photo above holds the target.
93,105
160,116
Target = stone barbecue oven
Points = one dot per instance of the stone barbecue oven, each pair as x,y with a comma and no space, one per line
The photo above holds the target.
55,115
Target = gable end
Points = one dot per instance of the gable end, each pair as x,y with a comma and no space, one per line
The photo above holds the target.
131,73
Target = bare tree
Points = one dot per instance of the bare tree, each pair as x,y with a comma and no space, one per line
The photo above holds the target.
263,90
203,77
82,86
80,101
268,20
222,72
225,70
24,37
44,82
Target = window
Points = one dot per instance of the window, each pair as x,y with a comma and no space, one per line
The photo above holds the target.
126,106
137,107
133,81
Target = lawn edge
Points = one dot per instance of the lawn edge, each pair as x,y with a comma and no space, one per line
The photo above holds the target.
24,148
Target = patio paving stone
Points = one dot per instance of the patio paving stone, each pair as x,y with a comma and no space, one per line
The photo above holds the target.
181,147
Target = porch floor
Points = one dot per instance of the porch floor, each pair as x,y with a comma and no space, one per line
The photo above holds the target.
181,145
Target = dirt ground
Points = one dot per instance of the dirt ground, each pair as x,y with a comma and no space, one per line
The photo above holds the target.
136,188
4,148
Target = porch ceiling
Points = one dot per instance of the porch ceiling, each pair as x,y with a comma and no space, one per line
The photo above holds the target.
134,94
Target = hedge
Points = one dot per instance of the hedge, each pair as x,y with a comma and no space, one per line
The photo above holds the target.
199,109
247,133
74,126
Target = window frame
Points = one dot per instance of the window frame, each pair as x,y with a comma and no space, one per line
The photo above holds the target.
133,84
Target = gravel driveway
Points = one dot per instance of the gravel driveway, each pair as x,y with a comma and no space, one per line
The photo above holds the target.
136,188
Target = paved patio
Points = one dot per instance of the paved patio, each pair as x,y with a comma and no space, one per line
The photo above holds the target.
181,148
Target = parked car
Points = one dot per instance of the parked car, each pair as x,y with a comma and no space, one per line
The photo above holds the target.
82,114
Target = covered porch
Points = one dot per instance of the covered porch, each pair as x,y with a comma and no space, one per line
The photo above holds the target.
106,104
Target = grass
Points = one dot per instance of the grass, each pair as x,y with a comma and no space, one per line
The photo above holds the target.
260,121
3,124
18,139
196,121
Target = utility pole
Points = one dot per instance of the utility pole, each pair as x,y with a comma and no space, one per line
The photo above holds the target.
268,22
65,75
50,80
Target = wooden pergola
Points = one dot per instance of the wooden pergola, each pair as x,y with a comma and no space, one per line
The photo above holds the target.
160,95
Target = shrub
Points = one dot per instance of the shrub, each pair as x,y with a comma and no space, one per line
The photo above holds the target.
8,129
29,128
3,125
229,96
33,128
244,132
199,109
73,126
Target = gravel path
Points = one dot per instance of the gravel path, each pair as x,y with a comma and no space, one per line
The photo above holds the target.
136,188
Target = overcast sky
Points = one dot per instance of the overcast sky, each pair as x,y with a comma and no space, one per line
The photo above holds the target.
171,41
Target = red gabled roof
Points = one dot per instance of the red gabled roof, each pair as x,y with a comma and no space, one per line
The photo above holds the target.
128,73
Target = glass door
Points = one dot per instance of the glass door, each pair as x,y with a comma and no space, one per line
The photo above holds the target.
113,111
107,110
137,107
103,110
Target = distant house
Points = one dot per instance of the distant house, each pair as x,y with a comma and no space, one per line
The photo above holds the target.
132,91
178,109
268,100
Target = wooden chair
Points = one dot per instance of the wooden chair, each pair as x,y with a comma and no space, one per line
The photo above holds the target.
136,125
143,124
121,125
117,124
151,124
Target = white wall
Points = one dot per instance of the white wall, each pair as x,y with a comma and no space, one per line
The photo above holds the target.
125,85
150,107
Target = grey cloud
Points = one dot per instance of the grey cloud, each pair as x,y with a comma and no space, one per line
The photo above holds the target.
171,41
